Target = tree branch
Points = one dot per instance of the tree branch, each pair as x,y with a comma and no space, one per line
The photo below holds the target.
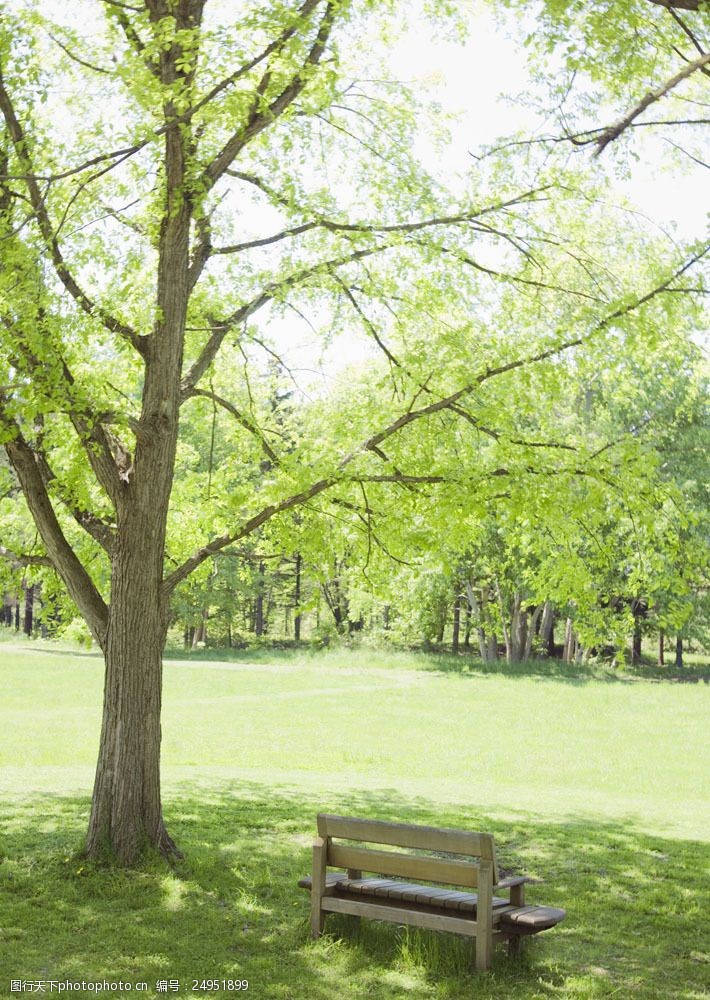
373,228
62,556
259,120
99,530
678,4
221,327
614,131
217,544
94,439
245,421
19,560
373,443
20,144
77,59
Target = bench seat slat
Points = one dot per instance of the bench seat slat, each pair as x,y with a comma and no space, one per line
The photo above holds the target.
513,919
393,913
428,895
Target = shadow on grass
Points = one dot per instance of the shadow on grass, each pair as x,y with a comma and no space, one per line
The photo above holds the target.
231,909
558,670
438,660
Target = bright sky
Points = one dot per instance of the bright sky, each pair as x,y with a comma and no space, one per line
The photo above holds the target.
469,81
474,82
479,82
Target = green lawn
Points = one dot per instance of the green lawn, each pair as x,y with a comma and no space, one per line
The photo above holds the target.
596,785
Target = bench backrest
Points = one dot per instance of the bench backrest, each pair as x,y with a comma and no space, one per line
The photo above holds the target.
422,867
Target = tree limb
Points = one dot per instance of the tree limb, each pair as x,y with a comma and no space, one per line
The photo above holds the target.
246,423
62,556
259,120
77,59
221,327
99,530
18,560
679,4
412,415
614,131
19,141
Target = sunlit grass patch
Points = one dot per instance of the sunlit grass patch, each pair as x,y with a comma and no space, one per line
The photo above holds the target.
597,789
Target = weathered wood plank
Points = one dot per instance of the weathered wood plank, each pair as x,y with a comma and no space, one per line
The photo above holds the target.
320,852
400,915
484,917
452,872
532,919
428,838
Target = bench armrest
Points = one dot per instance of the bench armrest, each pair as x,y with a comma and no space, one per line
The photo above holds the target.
507,883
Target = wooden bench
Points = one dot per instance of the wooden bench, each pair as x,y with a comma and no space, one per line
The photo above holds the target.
480,915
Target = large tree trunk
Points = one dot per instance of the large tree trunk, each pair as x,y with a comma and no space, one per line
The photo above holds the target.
126,815
126,812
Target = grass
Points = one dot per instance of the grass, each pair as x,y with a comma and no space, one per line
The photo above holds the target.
597,786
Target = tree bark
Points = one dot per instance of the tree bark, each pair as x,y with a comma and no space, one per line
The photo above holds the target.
569,642
199,633
679,653
504,620
126,815
457,625
532,630
547,643
297,600
661,648
513,642
29,610
478,613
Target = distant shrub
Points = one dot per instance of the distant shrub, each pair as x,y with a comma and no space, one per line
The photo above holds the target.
76,632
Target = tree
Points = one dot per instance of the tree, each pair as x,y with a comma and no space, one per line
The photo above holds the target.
132,273
637,55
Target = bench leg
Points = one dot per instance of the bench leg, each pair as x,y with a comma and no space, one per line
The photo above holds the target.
318,887
514,946
484,953
317,921
484,917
